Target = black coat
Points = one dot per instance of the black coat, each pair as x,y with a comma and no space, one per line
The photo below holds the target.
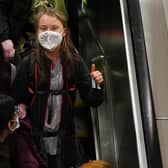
81,80
21,144
14,16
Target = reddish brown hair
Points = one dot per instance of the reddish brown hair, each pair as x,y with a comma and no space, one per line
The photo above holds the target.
96,164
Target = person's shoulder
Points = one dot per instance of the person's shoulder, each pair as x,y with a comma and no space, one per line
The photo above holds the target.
28,56
78,57
25,61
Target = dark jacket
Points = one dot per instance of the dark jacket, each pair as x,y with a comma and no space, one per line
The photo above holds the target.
5,77
19,149
22,149
14,16
5,161
81,80
5,74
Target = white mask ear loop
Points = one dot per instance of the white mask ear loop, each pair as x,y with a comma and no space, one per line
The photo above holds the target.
17,123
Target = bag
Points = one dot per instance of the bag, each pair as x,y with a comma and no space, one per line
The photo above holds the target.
7,76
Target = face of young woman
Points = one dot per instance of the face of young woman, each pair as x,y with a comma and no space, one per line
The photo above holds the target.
50,32
50,23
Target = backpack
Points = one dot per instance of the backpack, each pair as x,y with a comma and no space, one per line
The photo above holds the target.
7,76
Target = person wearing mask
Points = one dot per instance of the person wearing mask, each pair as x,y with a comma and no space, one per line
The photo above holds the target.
9,122
45,87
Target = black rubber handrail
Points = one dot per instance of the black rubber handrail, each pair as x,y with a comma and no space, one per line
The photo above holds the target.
144,85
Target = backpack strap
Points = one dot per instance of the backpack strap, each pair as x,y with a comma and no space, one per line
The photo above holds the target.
36,75
32,91
13,73
42,92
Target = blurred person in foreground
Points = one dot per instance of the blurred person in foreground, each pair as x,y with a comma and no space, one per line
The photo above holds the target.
96,164
9,122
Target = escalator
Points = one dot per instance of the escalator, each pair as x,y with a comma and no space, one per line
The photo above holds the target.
125,132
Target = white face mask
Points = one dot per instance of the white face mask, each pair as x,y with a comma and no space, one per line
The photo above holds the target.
50,39
17,124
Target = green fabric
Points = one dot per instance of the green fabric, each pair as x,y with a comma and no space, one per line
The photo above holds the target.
58,4
84,2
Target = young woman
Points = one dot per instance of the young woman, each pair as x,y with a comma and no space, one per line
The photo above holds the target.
45,87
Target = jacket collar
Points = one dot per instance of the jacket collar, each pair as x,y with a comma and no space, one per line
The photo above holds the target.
48,61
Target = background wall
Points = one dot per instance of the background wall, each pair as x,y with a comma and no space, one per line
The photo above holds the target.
154,16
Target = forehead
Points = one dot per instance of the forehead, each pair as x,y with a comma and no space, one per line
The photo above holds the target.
49,20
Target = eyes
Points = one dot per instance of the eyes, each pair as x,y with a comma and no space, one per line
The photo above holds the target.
51,28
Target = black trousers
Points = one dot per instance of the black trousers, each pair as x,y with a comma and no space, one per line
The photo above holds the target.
66,156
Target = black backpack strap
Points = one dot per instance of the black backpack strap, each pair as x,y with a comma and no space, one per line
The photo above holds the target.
13,73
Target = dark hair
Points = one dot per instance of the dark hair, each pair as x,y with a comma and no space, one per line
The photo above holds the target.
6,110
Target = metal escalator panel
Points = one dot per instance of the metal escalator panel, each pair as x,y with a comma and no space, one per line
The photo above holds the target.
140,85
114,131
116,126
134,88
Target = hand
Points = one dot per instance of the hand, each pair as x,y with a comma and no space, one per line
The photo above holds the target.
8,49
22,110
96,75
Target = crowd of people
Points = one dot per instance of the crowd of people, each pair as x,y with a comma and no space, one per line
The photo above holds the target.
37,98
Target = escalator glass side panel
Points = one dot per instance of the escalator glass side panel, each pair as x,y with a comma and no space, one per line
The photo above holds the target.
116,129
